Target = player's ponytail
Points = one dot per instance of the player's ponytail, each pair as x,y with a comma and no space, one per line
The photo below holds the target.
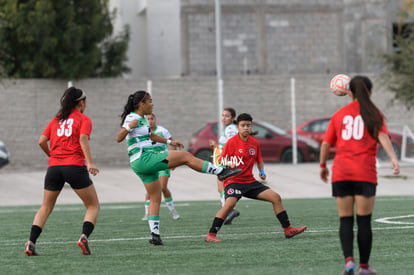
133,103
69,101
361,88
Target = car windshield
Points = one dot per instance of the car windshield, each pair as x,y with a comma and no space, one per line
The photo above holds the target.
272,127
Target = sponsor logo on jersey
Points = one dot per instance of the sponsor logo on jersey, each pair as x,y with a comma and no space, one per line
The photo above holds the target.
232,161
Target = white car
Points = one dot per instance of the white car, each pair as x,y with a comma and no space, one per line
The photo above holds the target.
4,155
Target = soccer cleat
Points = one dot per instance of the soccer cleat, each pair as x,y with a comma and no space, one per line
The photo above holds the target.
233,214
174,214
368,270
211,238
84,245
292,231
29,249
228,173
349,267
145,218
155,239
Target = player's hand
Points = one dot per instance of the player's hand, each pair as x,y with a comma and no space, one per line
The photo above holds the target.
93,169
324,173
395,167
177,144
212,143
262,174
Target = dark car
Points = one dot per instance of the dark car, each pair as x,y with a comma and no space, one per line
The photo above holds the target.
275,143
4,155
315,129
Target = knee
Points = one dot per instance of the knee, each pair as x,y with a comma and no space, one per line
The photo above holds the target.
277,198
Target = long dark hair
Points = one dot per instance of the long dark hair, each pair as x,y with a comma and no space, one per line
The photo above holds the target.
69,101
132,103
361,88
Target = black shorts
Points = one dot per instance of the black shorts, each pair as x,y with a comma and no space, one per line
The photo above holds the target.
248,190
77,176
352,188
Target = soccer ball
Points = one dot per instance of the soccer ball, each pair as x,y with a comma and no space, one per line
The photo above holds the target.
340,84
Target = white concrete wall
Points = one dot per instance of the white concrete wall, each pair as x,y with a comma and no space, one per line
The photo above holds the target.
163,26
133,13
154,48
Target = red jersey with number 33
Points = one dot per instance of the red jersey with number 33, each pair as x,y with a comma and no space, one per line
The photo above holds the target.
356,150
243,154
64,137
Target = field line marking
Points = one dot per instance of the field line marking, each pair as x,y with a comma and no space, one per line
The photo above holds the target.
81,207
388,220
21,242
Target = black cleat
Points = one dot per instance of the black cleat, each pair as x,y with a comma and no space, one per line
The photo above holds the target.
228,173
155,239
233,214
29,249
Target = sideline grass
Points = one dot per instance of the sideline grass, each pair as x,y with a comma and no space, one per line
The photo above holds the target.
253,244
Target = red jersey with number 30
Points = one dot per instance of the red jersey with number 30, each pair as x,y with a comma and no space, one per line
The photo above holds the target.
356,150
243,154
64,137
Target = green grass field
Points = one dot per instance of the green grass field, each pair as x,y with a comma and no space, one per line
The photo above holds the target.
253,244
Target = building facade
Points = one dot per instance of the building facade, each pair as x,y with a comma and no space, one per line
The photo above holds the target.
177,37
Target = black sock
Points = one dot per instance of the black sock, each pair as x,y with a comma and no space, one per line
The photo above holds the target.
217,223
35,233
364,238
283,219
346,235
87,228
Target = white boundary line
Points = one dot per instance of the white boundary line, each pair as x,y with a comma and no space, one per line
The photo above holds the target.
316,231
388,219
81,207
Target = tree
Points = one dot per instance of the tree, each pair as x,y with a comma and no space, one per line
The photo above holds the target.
60,39
400,80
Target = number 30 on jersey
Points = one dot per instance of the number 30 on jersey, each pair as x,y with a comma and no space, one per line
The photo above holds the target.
354,128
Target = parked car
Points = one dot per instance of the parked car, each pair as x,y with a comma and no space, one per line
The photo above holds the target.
315,129
275,143
4,155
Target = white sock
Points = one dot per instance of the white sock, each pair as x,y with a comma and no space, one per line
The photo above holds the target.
213,169
170,204
154,226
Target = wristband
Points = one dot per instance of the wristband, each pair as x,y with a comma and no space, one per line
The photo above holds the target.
262,172
322,165
127,128
168,141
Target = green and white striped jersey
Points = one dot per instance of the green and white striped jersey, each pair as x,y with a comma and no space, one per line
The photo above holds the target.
138,139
